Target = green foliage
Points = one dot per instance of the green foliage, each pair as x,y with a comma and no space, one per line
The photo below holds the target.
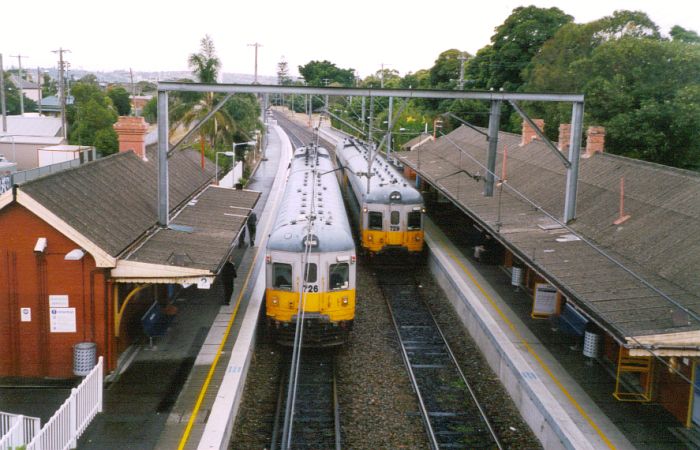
283,77
678,33
49,86
205,65
120,99
316,72
12,103
150,110
91,117
514,45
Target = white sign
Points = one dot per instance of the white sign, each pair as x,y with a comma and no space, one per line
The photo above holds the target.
25,314
62,320
545,303
58,301
204,283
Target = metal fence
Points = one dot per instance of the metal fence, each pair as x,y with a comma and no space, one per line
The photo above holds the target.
16,430
62,431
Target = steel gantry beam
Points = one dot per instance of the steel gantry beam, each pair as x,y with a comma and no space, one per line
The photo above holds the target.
495,98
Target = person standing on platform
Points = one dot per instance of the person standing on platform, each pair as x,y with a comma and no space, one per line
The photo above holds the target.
228,274
252,224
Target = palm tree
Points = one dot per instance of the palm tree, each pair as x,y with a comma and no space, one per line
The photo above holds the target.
191,109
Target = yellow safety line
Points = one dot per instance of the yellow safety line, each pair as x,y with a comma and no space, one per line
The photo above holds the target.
532,351
205,386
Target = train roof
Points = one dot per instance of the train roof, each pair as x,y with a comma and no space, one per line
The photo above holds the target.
386,181
312,199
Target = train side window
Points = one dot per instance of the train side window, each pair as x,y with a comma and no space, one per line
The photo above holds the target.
311,273
375,220
282,276
414,220
339,276
395,217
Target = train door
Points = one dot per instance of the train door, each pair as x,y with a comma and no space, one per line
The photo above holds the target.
395,234
312,284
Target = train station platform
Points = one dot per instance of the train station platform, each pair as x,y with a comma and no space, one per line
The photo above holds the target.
565,397
159,387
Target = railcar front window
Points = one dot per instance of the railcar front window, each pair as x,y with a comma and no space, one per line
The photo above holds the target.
339,276
282,276
414,220
395,216
375,220
311,273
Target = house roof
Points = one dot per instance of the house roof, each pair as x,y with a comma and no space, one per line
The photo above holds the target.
199,232
25,83
657,248
33,126
53,102
109,205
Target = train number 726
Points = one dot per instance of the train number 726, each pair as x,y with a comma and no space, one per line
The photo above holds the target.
310,288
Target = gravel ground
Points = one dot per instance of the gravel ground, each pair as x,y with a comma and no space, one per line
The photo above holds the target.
378,407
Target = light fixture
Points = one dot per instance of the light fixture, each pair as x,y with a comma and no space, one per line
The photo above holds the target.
75,255
40,246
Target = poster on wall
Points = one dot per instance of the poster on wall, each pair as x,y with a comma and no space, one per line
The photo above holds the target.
62,320
58,301
546,301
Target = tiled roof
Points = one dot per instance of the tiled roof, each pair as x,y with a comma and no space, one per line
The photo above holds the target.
112,201
660,242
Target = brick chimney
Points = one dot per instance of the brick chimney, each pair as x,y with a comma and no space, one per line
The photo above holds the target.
564,137
529,134
595,141
132,134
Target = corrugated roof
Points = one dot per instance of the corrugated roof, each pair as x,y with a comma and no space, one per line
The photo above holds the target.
660,241
214,219
33,126
25,83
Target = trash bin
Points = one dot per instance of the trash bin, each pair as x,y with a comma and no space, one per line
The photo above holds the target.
84,358
591,344
516,278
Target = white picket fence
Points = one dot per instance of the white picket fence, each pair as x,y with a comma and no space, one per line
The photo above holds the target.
67,424
16,430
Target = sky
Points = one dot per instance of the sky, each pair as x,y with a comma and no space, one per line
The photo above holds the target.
156,35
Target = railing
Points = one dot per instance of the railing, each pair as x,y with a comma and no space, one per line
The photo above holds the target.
16,430
62,431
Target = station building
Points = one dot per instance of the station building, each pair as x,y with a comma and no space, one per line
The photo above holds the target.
82,257
622,276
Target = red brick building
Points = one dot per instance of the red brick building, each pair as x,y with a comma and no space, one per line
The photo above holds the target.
82,256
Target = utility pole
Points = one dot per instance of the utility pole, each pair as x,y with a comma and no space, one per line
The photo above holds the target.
2,96
62,90
21,82
462,58
256,45
38,81
381,78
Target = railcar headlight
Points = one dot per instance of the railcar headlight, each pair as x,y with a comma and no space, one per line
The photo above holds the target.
365,209
417,237
275,301
369,237
345,301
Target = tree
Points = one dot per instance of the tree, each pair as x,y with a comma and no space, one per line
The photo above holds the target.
91,116
120,99
445,72
12,102
205,65
678,33
283,78
320,73
150,111
49,86
514,45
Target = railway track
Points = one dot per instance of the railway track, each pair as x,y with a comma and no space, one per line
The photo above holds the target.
315,421
298,134
452,415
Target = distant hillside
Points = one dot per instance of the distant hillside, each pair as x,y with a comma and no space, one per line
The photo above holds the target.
123,76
